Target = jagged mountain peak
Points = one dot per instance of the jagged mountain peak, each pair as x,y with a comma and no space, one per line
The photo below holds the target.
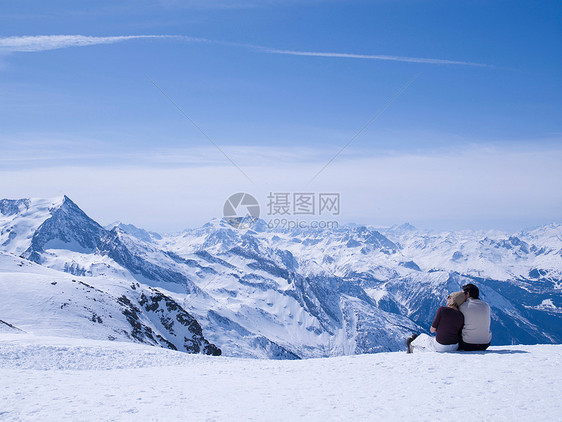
110,226
222,223
68,206
216,223
68,227
134,231
406,227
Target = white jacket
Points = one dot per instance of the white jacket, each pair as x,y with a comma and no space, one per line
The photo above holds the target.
476,329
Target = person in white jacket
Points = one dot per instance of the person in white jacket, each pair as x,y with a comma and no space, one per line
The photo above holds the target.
476,334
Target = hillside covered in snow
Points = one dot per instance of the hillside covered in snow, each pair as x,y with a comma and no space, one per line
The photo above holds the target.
262,293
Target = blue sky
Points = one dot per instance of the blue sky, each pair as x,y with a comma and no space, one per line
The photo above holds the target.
281,86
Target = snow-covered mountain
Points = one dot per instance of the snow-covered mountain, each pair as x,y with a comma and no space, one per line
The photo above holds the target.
285,294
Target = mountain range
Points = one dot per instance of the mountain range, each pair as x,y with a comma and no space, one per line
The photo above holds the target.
265,293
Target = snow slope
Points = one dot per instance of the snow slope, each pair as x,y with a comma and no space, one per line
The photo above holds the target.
42,301
53,379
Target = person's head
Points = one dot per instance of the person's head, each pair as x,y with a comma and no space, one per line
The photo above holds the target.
470,290
456,299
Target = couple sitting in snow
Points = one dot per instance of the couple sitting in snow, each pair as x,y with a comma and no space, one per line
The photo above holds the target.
464,324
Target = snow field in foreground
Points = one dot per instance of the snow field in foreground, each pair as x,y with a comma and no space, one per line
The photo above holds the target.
48,378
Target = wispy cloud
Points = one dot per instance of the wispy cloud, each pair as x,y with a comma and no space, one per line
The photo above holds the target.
52,42
372,57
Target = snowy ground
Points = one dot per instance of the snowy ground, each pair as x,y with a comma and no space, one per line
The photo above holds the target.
48,378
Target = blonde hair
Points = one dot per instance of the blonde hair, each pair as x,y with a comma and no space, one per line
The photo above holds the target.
456,299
